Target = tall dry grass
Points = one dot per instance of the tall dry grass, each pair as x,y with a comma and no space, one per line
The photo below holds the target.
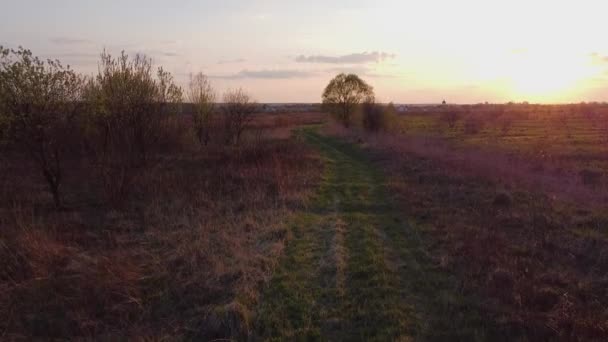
183,256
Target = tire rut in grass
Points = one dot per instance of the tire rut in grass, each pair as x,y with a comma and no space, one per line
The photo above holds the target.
354,271
334,282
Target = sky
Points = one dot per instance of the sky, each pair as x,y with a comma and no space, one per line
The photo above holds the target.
465,51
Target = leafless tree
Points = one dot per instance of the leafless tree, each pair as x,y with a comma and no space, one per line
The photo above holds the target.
202,96
343,94
37,106
238,110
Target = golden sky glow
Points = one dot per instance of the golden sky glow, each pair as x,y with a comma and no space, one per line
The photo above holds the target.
463,51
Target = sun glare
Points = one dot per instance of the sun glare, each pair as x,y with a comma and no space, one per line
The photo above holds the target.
547,76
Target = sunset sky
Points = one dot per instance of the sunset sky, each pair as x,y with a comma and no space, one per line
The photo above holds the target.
286,51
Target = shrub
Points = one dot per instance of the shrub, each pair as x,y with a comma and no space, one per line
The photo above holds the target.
202,95
378,118
238,111
129,107
37,108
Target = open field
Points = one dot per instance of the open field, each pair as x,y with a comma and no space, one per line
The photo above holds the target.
323,233
571,137
519,216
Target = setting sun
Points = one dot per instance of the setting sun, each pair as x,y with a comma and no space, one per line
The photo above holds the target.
415,52
548,76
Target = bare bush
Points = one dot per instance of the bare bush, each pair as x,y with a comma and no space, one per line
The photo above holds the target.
238,111
37,108
377,117
202,95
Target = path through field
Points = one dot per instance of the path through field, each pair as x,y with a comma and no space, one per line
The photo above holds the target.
354,270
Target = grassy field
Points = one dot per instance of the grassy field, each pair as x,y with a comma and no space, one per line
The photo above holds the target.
184,256
316,232
573,137
519,215
356,270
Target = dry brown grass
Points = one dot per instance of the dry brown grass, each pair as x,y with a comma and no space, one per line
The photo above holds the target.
183,256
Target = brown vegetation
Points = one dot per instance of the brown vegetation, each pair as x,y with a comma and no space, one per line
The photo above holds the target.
378,118
37,108
197,236
156,237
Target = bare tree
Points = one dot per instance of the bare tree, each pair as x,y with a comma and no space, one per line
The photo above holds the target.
37,106
202,95
238,110
343,94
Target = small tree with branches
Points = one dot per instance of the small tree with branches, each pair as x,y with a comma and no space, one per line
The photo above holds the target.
344,94
202,96
37,105
238,110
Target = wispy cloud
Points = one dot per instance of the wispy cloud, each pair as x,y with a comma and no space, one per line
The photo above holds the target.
353,58
232,61
361,71
268,74
69,41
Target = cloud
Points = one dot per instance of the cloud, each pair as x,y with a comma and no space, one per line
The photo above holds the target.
268,74
232,61
361,71
353,58
69,41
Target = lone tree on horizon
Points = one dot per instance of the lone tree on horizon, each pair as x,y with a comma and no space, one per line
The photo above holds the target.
343,94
